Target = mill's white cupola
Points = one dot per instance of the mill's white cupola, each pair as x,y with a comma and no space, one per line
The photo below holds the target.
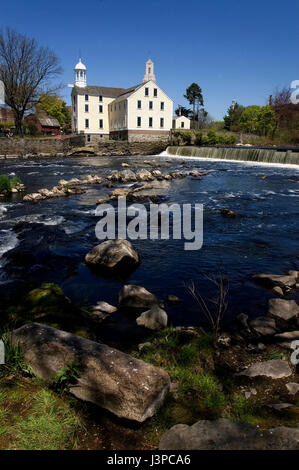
149,71
80,74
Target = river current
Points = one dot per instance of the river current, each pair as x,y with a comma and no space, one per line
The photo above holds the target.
59,232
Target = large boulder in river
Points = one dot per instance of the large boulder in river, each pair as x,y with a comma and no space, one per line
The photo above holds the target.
112,255
230,214
272,280
288,339
263,326
283,309
127,175
155,318
122,384
144,175
33,197
223,434
136,297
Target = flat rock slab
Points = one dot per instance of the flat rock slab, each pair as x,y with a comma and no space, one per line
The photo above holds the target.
126,386
286,339
280,406
283,309
223,434
275,369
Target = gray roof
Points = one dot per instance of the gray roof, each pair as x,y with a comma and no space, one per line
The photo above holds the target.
48,121
128,93
104,91
99,90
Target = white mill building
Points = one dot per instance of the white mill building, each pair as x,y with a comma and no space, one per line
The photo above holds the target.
142,112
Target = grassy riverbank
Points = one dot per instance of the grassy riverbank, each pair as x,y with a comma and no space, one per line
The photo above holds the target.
204,386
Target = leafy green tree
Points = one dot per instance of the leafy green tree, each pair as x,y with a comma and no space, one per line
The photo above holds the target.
182,111
232,117
259,120
199,138
194,97
212,137
55,107
249,119
187,137
267,123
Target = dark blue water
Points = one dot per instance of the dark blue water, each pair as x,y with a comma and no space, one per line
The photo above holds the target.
59,232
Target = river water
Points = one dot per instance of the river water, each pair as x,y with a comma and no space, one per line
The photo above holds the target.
47,241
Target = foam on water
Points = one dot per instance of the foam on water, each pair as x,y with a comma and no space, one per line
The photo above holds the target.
3,210
39,219
8,241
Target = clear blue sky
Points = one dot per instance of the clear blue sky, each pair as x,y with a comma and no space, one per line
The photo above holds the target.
232,49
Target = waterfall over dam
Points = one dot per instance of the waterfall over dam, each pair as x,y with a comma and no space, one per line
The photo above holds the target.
239,154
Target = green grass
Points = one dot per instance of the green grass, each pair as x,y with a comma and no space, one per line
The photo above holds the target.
44,421
14,361
275,355
198,390
51,425
241,409
7,184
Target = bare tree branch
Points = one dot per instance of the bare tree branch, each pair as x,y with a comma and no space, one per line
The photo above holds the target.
27,70
213,308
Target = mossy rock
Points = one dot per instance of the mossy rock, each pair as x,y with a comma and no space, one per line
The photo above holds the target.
48,304
47,298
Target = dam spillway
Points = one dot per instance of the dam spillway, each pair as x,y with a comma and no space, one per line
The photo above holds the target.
239,154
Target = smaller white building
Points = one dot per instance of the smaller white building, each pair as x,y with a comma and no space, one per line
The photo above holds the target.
180,122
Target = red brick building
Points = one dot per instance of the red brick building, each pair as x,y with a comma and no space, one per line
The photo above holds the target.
6,115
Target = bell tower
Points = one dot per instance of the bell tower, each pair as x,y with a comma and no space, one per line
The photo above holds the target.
149,71
80,75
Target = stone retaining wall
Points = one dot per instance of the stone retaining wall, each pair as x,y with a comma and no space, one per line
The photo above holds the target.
16,147
75,145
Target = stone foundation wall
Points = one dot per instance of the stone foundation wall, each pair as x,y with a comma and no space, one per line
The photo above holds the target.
16,147
141,135
130,148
